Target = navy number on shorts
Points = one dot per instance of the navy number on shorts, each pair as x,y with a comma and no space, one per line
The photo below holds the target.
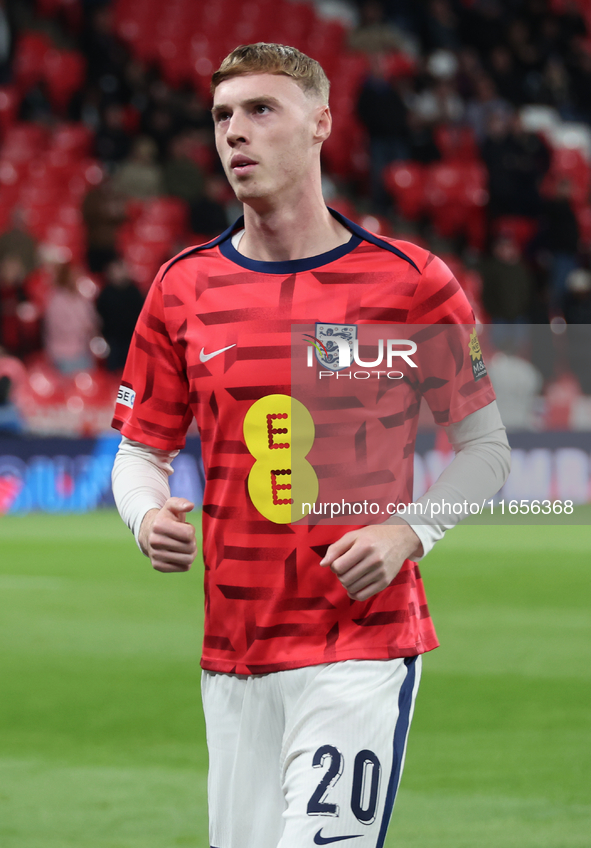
317,805
366,786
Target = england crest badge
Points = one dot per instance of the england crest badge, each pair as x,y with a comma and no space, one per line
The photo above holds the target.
335,345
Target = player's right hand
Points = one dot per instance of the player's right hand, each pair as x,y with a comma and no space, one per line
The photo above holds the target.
167,539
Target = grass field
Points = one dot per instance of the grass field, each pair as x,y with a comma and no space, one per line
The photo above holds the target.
101,732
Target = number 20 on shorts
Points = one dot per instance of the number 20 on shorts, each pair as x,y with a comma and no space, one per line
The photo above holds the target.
279,433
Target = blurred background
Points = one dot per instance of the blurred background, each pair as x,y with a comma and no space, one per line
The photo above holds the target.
461,125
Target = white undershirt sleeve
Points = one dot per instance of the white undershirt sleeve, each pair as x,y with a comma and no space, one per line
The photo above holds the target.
479,468
140,481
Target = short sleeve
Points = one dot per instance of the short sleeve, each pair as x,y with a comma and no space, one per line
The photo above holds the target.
452,373
153,400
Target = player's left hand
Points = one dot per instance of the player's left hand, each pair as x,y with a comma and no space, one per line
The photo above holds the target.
368,559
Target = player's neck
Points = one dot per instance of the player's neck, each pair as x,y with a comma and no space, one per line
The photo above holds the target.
286,232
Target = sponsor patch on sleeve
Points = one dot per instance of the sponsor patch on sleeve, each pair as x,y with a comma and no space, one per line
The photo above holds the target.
478,366
126,396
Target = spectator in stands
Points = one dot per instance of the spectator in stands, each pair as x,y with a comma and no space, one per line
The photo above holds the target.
105,53
208,215
439,100
421,141
160,120
194,114
70,324
526,53
18,317
441,27
140,176
555,89
482,24
118,305
382,111
112,142
506,75
18,241
561,239
507,290
11,423
182,176
516,161
103,210
375,34
485,103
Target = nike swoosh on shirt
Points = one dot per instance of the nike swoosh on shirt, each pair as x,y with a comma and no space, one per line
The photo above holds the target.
326,840
205,357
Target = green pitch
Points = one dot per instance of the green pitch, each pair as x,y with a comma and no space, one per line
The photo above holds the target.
101,732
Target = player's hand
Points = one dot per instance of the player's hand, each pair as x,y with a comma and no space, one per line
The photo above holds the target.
167,539
368,559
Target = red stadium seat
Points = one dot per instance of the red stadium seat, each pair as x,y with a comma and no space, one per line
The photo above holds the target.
23,142
456,196
517,227
570,165
9,103
63,72
170,212
405,182
73,140
456,144
29,55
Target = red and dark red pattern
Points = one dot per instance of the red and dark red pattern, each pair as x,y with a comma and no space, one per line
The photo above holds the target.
269,604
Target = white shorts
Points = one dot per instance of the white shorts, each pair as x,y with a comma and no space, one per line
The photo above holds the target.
310,756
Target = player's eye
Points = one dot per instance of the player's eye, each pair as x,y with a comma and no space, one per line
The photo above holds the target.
261,109
221,116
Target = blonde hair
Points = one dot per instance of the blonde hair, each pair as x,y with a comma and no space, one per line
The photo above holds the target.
264,58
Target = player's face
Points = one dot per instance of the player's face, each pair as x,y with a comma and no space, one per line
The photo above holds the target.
267,134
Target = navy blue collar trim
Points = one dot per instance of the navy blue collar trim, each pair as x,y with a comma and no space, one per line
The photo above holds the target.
292,266
288,266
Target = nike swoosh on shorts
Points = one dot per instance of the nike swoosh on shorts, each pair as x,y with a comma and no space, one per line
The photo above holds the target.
326,840
204,357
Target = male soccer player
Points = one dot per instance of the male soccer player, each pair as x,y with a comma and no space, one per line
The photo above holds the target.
313,633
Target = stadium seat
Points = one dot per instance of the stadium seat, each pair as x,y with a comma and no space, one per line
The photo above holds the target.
405,182
23,142
455,197
169,211
456,144
517,227
9,103
73,140
29,56
64,72
569,164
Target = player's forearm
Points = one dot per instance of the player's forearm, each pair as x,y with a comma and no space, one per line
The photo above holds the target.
140,485
477,472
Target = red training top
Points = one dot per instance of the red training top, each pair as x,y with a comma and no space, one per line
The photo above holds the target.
214,341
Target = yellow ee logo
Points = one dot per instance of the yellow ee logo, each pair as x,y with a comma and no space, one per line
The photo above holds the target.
279,432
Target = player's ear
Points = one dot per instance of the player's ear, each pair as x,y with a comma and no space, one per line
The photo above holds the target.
323,124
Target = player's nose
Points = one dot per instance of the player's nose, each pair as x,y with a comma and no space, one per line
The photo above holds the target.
237,129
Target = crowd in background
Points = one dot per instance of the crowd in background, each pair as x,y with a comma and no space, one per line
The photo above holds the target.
429,67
